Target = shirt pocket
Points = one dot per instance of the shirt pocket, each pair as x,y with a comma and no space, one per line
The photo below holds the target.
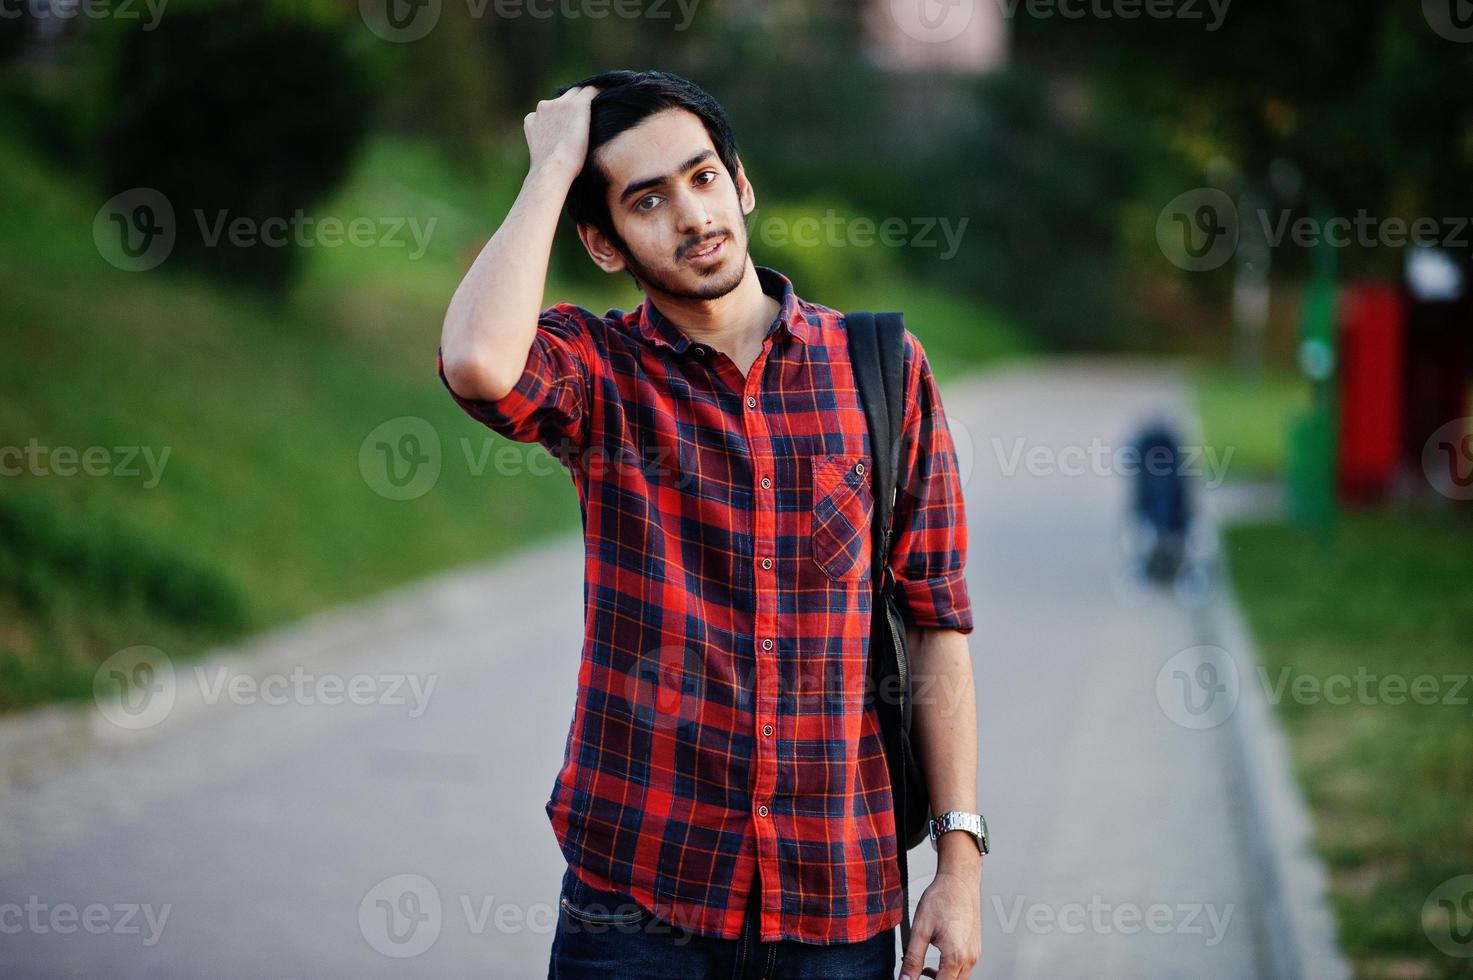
842,504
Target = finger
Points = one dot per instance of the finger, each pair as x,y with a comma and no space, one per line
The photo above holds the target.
915,953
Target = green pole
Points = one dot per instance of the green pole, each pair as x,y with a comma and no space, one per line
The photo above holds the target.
1313,435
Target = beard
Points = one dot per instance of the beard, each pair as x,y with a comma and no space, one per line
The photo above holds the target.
711,283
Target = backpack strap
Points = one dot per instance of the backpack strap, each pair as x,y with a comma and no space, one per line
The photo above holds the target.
877,355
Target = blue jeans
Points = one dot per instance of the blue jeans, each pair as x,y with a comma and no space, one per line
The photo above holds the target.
609,936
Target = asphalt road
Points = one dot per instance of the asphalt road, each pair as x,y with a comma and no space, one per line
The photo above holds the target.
405,836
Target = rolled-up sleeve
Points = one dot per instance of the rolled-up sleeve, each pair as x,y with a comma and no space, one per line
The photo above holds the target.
549,404
928,551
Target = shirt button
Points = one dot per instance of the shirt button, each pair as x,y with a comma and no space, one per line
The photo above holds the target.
766,483
766,729
751,402
767,563
762,811
767,644
700,351
859,467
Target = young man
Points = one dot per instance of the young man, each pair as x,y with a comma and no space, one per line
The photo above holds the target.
724,804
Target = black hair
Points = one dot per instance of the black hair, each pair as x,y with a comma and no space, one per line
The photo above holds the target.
624,100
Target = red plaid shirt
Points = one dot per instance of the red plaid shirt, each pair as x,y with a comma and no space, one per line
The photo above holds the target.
724,718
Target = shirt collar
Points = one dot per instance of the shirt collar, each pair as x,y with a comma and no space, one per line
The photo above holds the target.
790,320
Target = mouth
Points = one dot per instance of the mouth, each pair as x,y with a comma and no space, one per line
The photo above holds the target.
709,254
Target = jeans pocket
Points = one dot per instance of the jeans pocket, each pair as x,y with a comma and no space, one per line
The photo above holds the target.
839,539
597,907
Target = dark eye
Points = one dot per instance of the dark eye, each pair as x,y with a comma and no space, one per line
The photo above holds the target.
704,173
639,205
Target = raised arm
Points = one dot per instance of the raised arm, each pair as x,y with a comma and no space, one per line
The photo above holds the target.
492,319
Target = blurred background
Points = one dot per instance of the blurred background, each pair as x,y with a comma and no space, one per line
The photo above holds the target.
228,233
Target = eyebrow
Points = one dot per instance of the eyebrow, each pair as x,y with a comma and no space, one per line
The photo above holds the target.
648,182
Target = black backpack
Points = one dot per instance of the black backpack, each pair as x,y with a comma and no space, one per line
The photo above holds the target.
877,352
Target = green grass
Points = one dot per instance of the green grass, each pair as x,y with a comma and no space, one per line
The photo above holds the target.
1249,416
262,513
1390,785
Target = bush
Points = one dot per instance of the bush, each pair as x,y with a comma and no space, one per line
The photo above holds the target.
232,111
46,557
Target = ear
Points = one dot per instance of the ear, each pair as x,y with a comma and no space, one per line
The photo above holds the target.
600,249
745,192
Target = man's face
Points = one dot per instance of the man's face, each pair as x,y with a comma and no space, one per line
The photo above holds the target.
670,197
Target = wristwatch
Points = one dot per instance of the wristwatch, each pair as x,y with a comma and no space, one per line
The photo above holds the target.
972,823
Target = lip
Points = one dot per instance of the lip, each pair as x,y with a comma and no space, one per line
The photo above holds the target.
710,257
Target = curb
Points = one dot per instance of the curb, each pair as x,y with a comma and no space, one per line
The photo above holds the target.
36,743
1298,924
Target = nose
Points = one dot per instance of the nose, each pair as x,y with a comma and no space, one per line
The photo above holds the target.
693,216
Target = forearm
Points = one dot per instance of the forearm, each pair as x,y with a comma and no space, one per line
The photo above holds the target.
945,720
492,318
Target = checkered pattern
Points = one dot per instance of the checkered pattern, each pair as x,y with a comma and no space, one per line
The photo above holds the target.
723,717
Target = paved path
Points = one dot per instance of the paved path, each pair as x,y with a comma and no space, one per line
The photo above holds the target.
270,834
